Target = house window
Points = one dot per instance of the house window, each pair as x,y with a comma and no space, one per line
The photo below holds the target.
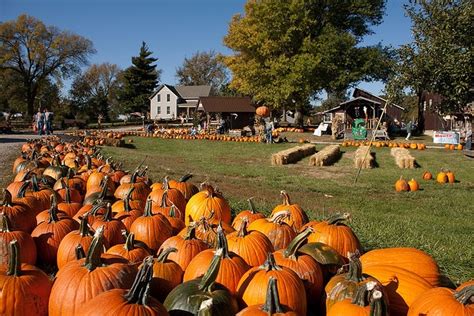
158,110
159,97
168,109
168,97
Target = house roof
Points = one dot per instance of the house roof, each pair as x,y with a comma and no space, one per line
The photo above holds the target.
188,104
226,104
185,92
193,92
357,93
347,102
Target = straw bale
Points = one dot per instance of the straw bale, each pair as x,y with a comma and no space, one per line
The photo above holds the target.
362,159
292,155
327,156
403,158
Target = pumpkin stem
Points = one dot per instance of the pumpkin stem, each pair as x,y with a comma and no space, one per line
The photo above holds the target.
166,184
222,242
68,193
297,242
79,251
191,232
337,218
207,187
465,295
252,206
378,306
164,197
84,227
133,178
209,278
126,200
272,301
148,207
70,172
21,191
88,162
14,264
363,294
53,210
108,213
129,240
278,217
104,187
34,183
286,197
270,264
172,212
4,223
163,254
355,268
185,178
138,293
7,197
243,228
95,250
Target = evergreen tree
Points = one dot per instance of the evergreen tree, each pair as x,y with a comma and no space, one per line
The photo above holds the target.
139,81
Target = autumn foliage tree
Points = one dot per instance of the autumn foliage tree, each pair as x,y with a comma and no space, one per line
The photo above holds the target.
287,51
37,52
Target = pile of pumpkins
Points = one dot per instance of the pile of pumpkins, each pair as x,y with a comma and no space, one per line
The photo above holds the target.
444,176
115,242
453,147
378,144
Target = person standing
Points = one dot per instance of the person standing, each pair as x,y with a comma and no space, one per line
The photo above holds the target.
468,138
409,127
39,122
48,117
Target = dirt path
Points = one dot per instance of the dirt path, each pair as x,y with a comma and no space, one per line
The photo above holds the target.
10,146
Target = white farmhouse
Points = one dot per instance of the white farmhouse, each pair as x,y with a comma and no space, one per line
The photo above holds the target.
169,102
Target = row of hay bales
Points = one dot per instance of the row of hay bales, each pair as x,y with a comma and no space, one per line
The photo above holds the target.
403,159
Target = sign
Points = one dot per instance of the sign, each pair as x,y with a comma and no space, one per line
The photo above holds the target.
446,137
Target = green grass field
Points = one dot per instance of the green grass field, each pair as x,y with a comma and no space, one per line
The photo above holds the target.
437,219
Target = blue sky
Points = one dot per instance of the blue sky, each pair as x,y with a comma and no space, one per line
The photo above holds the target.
173,29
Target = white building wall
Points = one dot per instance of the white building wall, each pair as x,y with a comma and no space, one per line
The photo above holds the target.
163,104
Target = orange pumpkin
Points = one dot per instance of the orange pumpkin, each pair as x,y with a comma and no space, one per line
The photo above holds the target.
413,185
167,274
444,301
412,259
186,188
81,280
427,175
402,286
253,284
272,304
19,214
278,232
24,240
231,269
297,216
368,301
252,246
187,247
450,175
335,233
25,289
401,185
134,252
251,214
205,202
112,227
442,177
262,111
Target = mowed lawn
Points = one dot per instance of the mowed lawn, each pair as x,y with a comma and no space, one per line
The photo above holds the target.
438,219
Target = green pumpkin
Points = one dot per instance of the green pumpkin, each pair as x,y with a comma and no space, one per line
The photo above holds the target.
202,295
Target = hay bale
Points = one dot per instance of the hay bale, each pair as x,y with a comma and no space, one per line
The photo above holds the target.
403,158
326,156
362,159
292,155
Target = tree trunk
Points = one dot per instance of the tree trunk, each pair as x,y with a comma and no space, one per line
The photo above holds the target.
284,113
421,113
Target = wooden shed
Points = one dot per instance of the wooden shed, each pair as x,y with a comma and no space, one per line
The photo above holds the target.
238,112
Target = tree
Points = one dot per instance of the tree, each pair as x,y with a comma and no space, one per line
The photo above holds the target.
138,82
285,52
37,52
440,57
204,68
94,91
